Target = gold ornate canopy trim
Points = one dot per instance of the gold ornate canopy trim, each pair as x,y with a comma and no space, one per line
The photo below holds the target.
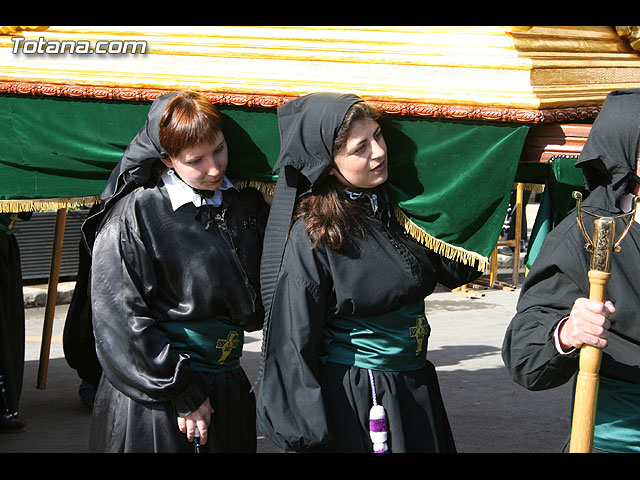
532,187
394,108
46,204
443,248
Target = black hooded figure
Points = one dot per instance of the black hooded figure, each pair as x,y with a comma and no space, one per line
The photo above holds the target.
532,350
344,344
173,288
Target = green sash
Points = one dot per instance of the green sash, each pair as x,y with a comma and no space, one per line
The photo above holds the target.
394,341
214,345
617,426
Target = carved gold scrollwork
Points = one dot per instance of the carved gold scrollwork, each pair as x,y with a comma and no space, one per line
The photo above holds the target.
459,112
632,34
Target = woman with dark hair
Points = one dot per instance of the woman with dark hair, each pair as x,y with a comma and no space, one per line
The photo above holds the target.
345,339
174,285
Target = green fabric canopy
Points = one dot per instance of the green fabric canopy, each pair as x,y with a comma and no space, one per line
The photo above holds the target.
451,179
562,179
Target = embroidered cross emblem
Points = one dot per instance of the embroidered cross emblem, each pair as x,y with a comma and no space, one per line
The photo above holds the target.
420,332
227,345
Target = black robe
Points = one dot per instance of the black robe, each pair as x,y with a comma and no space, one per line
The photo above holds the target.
557,278
156,272
153,267
12,341
305,404
77,338
559,274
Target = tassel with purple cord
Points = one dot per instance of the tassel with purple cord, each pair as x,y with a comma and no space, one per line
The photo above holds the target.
377,422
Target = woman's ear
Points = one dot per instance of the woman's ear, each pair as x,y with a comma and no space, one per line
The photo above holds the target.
167,161
332,171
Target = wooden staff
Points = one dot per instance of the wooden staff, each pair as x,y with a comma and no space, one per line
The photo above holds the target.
586,394
52,293
602,248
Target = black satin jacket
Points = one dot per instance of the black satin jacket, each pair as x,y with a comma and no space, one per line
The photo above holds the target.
151,265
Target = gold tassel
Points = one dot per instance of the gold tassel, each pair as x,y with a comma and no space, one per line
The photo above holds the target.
46,204
445,249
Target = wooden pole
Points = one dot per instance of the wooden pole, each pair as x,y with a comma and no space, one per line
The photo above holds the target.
52,293
588,379
519,206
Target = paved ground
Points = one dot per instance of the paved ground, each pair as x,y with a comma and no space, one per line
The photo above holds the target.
488,412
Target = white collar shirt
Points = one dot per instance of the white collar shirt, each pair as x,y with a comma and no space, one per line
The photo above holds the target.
181,193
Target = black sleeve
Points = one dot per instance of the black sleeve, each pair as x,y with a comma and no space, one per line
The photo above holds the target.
557,278
134,353
453,273
450,273
290,406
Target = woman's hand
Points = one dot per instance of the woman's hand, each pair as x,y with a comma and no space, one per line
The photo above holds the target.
200,418
588,324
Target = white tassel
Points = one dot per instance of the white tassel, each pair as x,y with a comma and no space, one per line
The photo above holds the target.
378,425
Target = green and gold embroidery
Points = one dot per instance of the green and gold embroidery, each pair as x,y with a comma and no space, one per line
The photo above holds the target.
227,345
420,332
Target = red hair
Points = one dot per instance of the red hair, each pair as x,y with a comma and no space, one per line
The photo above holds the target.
189,119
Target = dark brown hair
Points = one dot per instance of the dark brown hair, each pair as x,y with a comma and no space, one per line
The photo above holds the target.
189,119
330,217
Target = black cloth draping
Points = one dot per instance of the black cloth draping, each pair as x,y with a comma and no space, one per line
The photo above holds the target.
121,424
77,339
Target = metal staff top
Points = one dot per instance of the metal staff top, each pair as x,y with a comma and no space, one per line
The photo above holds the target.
602,246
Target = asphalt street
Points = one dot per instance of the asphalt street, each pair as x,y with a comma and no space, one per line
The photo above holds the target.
488,412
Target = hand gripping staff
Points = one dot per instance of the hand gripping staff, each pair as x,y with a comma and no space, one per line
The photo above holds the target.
602,248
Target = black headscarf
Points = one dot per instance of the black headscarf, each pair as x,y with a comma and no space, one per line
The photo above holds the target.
308,126
134,168
142,152
608,159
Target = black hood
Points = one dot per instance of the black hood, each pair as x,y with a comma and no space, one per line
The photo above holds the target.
308,126
142,152
608,159
134,168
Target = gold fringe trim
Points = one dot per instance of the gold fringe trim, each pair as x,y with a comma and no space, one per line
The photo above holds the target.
46,204
445,249
268,188
533,187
